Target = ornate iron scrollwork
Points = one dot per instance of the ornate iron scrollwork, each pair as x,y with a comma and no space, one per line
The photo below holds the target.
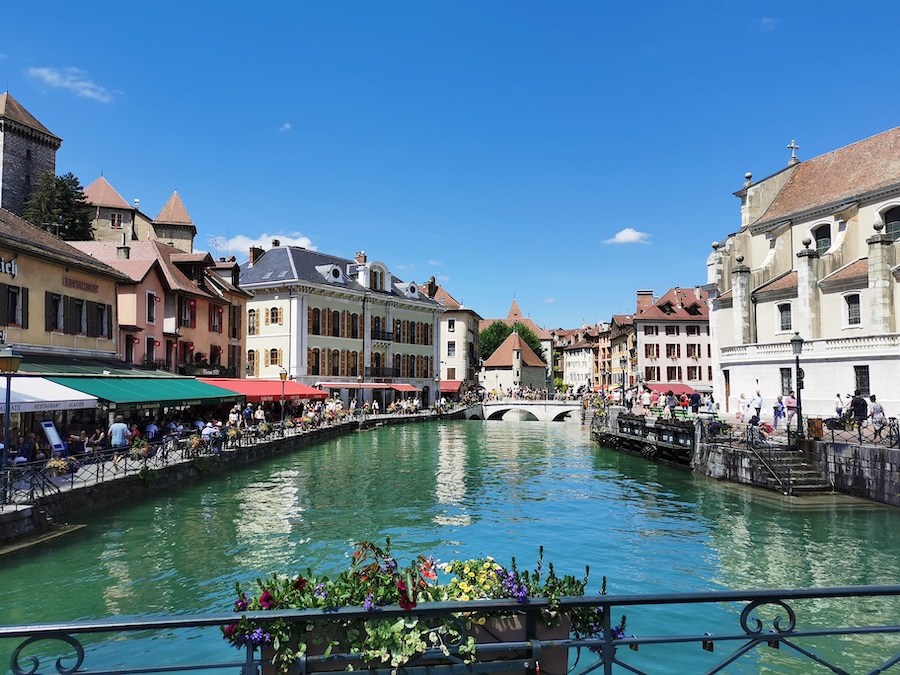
776,622
17,669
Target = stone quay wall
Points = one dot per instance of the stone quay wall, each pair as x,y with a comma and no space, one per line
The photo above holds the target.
47,513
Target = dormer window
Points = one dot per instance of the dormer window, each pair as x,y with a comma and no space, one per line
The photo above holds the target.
693,310
667,308
892,223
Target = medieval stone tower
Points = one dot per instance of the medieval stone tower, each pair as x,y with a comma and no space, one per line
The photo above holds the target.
27,149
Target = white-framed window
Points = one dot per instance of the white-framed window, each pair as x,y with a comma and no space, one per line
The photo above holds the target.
451,348
651,330
451,325
80,317
892,223
115,220
14,305
822,235
853,310
252,322
693,330
784,317
672,330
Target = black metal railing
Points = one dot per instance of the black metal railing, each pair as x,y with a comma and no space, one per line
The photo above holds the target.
382,372
733,627
383,335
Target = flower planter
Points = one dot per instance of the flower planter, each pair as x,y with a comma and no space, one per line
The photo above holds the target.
553,660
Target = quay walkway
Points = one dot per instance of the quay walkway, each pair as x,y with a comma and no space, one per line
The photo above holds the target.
36,497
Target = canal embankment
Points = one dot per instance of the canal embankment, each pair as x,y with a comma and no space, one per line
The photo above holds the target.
731,452
41,504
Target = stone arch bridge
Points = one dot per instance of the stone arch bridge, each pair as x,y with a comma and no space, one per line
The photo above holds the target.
517,410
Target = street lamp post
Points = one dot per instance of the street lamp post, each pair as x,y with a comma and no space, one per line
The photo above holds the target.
9,365
797,347
623,361
283,375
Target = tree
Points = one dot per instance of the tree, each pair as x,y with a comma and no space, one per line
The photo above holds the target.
494,335
59,207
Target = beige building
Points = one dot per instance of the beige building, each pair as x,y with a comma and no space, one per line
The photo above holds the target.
460,342
346,325
815,256
513,366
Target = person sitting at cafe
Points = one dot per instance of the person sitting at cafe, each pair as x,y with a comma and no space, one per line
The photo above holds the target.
97,441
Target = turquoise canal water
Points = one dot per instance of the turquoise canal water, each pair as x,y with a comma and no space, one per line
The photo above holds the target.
460,490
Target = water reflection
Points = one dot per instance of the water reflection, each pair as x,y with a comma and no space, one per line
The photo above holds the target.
461,490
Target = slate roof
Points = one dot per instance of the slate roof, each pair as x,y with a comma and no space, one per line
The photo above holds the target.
503,355
686,297
838,177
101,193
294,264
19,235
12,110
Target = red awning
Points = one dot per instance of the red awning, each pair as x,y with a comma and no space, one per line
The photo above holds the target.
402,387
450,386
663,389
258,391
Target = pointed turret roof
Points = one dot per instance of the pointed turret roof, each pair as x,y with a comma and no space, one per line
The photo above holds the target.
174,213
101,193
12,110
514,312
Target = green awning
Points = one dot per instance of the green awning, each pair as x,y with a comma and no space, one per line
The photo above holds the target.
150,392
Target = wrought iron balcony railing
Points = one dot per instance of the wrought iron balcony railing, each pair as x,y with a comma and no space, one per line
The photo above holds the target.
733,627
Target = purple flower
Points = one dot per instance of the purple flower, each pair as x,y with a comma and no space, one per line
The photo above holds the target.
369,604
321,593
512,586
241,603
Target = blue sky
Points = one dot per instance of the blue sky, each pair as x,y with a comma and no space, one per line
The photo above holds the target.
562,153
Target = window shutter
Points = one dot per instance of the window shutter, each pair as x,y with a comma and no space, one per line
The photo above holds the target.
267,316
193,309
309,361
309,321
280,358
4,305
266,352
49,319
109,321
90,310
23,297
210,318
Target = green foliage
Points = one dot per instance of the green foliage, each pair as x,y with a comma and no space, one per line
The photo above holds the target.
58,206
494,335
148,475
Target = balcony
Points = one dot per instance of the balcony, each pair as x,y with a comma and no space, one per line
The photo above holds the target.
382,336
382,372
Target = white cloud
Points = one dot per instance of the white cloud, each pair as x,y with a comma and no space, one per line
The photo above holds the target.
239,246
402,268
767,23
2,57
285,127
629,236
72,79
549,300
435,263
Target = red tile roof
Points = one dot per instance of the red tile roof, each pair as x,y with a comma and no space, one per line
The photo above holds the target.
839,176
858,269
786,281
679,300
515,316
101,193
503,355
173,213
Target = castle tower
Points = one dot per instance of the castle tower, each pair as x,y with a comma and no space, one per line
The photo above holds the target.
174,226
27,150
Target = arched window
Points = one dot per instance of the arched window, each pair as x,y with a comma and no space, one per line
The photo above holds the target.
253,322
336,324
354,364
376,363
335,362
252,363
315,326
315,362
822,235
892,223
784,316
274,357
354,326
398,366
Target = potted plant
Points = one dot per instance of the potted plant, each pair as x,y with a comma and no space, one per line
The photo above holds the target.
375,579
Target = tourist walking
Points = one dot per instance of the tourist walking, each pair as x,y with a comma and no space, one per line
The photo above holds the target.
876,412
859,412
777,412
839,407
742,408
790,404
119,434
756,403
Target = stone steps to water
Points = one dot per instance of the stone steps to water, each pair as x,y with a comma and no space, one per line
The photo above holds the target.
793,469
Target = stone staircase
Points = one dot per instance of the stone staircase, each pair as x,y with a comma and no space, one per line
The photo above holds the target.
793,472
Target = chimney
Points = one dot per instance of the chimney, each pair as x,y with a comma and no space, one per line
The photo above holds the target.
137,204
644,301
431,287
123,252
276,243
360,257
255,254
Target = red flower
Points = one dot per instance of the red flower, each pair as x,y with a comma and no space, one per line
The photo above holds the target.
267,600
299,584
405,602
230,630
